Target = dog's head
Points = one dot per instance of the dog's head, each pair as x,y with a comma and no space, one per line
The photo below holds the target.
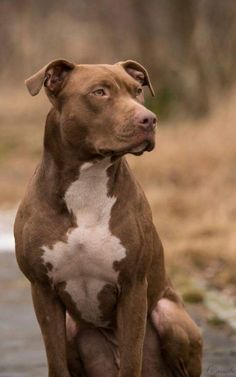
100,107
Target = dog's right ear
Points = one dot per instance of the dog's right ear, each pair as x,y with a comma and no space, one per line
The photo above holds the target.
52,76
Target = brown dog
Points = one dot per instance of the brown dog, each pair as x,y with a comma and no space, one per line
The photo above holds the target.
85,237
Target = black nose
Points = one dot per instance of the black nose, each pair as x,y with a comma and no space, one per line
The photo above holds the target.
146,120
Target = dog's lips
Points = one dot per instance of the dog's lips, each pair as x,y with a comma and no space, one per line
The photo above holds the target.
144,141
140,148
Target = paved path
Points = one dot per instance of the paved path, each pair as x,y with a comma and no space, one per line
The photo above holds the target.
21,348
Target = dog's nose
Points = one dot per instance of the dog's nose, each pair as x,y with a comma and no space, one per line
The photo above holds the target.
146,120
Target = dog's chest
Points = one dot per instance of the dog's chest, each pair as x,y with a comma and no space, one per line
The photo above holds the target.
85,262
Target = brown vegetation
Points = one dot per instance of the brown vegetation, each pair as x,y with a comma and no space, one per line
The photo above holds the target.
190,181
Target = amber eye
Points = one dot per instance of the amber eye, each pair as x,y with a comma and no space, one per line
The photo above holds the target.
99,92
139,91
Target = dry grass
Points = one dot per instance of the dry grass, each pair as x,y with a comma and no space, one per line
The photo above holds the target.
21,128
189,179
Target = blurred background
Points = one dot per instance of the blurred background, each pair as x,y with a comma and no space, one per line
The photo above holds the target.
189,49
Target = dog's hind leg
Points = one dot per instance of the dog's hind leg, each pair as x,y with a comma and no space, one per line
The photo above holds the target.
91,352
153,364
98,353
180,338
94,353
73,357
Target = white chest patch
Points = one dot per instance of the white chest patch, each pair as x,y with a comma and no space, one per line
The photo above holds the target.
85,261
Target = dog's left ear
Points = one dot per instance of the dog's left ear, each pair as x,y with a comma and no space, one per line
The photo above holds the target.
138,72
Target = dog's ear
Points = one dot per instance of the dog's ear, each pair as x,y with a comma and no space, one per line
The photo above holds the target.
138,72
52,76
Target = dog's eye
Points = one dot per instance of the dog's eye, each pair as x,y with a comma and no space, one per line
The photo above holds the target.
99,92
139,91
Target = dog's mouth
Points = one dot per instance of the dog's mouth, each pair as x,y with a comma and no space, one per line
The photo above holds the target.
145,146
143,143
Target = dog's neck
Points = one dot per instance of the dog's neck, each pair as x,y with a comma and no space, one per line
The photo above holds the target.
61,165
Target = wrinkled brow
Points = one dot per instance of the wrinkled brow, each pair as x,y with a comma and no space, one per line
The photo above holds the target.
109,83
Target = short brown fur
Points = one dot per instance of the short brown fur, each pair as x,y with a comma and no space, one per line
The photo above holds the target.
149,331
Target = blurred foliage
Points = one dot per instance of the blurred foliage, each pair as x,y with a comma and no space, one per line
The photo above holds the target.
162,104
193,296
214,320
189,46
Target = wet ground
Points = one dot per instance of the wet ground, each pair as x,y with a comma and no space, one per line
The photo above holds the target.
21,347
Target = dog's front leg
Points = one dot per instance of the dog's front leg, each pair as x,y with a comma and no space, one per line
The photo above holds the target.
132,315
51,317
